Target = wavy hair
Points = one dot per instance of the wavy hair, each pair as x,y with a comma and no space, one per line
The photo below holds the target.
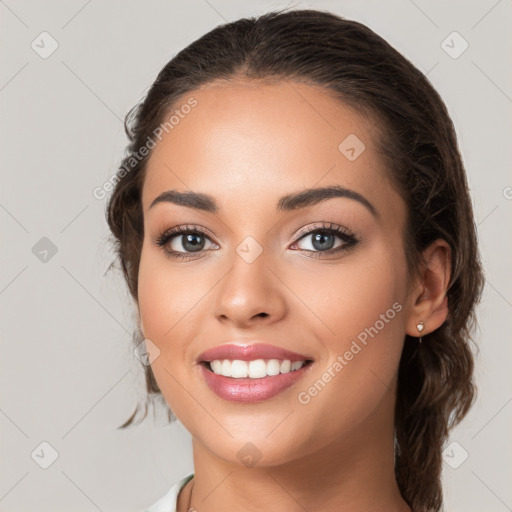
417,141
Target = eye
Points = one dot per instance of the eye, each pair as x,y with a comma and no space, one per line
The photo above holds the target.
183,241
326,239
187,242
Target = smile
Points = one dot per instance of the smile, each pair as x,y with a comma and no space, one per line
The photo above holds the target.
252,381
256,369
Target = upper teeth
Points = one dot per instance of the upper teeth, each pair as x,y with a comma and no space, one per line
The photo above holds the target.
256,369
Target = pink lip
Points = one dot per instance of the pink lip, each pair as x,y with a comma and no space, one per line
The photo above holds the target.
250,390
249,352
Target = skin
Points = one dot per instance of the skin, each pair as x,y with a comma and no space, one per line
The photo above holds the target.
248,144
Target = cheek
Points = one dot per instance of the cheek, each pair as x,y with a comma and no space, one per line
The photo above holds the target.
169,304
358,306
372,313
174,304
360,328
168,296
156,298
346,298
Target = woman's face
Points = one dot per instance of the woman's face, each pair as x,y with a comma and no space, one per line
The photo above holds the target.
253,275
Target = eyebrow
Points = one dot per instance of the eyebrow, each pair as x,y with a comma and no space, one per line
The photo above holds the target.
289,202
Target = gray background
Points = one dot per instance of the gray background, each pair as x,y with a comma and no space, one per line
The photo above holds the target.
68,374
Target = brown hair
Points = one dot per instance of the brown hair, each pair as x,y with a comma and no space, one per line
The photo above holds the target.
418,143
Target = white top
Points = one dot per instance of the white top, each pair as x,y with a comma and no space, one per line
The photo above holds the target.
168,502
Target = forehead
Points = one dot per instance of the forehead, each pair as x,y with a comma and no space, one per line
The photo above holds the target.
252,141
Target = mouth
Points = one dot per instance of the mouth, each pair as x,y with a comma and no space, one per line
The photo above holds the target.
254,369
251,373
252,381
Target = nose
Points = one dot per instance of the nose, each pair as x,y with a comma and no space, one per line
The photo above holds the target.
250,294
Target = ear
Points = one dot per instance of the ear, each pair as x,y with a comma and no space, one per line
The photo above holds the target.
429,303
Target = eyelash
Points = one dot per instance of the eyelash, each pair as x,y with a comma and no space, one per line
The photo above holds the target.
326,228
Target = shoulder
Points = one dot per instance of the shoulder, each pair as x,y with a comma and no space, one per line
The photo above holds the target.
167,503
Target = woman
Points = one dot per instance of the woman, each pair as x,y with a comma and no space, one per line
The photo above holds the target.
294,225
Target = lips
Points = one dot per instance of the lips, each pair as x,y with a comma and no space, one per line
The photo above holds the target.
255,389
251,390
245,352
